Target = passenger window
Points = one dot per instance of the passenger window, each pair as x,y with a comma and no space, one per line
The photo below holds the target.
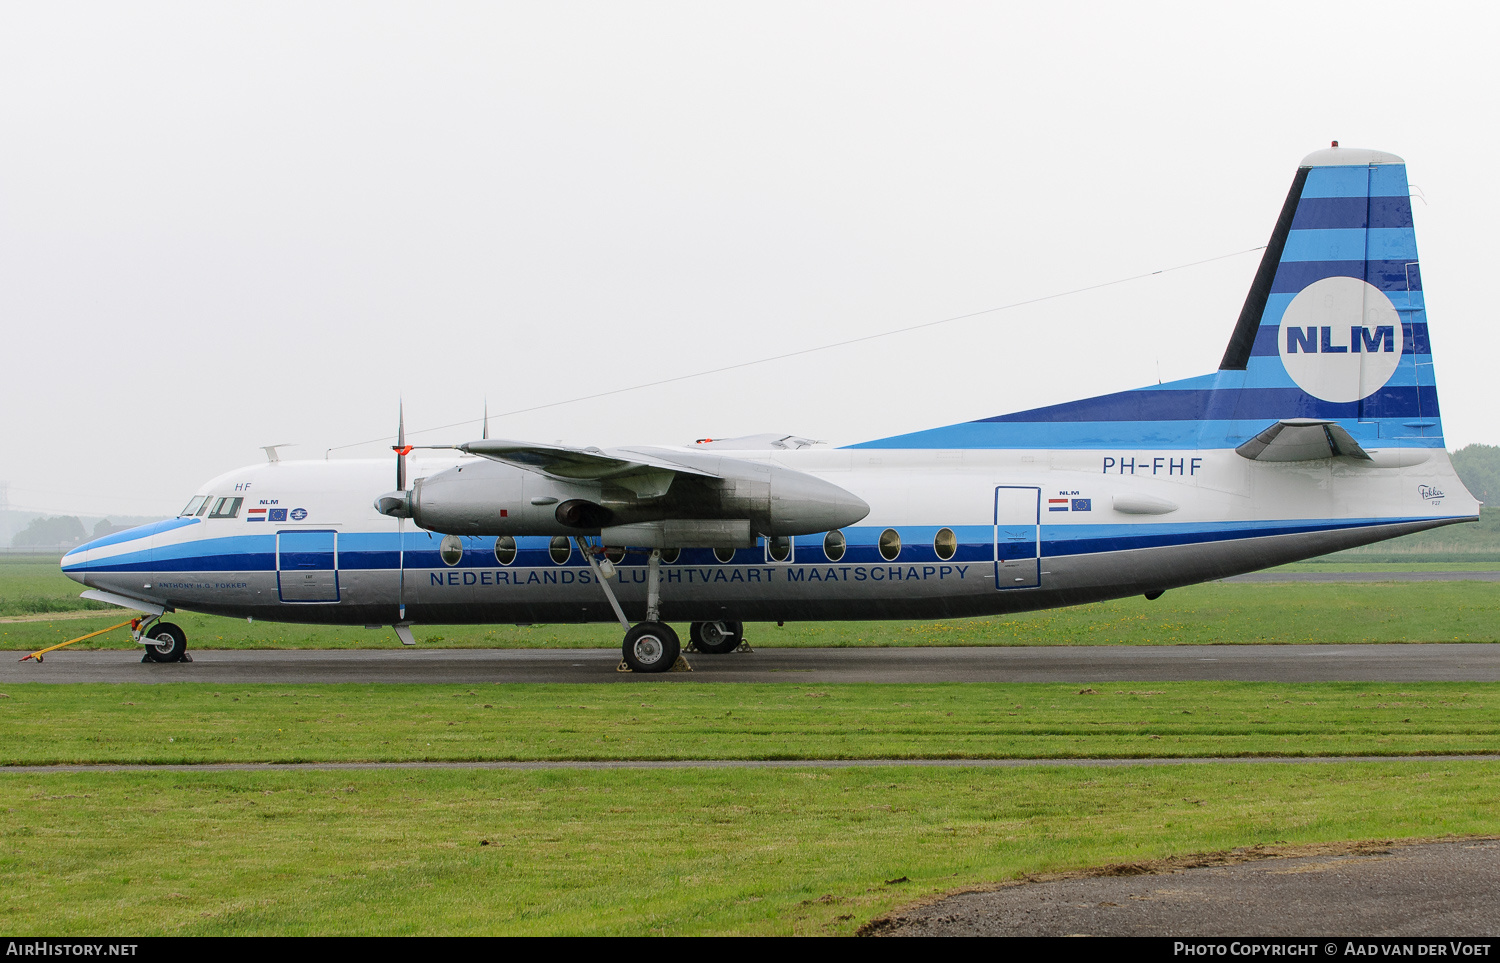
669,555
505,550
561,549
194,506
615,554
451,549
833,546
945,544
226,508
778,548
725,555
890,544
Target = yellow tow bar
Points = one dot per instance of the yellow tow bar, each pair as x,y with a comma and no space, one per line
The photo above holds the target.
38,655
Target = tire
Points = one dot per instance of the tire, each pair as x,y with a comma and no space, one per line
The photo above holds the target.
651,647
167,643
716,638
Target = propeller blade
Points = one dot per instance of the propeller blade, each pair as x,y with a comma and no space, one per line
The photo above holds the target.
401,448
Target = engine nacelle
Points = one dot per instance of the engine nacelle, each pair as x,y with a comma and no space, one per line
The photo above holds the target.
492,498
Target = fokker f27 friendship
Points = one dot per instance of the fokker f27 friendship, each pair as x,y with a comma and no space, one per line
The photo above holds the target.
1320,431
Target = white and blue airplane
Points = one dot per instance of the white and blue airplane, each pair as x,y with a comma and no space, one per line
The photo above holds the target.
1320,431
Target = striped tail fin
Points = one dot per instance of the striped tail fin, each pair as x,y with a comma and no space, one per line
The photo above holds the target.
1335,323
1334,329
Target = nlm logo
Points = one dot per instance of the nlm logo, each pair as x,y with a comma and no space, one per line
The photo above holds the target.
1307,340
1342,339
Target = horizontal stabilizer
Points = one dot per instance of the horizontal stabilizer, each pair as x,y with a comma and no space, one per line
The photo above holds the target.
1302,439
757,442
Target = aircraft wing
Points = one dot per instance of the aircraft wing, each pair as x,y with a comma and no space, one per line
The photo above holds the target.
579,463
1302,439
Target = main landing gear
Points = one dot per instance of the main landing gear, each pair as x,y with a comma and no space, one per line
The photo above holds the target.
716,638
652,645
163,642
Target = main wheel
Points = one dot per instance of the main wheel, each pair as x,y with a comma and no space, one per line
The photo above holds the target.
651,647
165,643
716,638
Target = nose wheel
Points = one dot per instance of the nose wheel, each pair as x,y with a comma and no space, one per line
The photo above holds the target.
165,642
651,647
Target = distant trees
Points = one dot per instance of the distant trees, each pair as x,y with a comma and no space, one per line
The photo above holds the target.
56,530
1478,467
105,527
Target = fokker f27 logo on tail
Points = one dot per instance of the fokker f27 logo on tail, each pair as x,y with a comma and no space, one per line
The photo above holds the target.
1340,339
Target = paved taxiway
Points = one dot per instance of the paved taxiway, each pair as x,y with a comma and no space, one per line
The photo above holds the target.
1443,889
1070,664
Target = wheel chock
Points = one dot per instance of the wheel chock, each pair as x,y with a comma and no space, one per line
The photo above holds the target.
623,667
681,665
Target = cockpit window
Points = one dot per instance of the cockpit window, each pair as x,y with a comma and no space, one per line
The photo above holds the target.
226,508
194,507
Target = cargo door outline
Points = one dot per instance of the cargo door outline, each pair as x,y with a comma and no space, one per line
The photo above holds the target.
307,565
1018,536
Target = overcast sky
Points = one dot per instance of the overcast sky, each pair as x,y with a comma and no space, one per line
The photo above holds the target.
231,225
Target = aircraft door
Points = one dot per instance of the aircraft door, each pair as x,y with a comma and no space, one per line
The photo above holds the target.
307,567
1018,546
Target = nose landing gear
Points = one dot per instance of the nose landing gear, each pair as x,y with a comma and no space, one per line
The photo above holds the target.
164,642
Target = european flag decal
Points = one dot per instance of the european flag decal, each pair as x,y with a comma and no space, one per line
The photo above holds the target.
276,515
1083,504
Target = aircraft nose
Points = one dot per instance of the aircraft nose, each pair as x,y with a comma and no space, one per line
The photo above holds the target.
75,563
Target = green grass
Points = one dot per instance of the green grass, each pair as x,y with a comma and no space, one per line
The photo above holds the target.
1325,566
195,723
645,852
1209,614
1470,541
31,587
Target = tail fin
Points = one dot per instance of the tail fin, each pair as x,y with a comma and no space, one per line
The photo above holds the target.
1335,323
1334,329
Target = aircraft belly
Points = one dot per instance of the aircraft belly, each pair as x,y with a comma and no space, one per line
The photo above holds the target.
792,592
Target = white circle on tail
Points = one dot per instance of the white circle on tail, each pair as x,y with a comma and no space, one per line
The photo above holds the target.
1341,339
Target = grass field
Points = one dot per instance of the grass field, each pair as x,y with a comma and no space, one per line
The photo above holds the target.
641,852
193,723
1472,541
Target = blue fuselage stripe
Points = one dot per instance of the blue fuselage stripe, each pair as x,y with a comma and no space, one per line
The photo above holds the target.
240,554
